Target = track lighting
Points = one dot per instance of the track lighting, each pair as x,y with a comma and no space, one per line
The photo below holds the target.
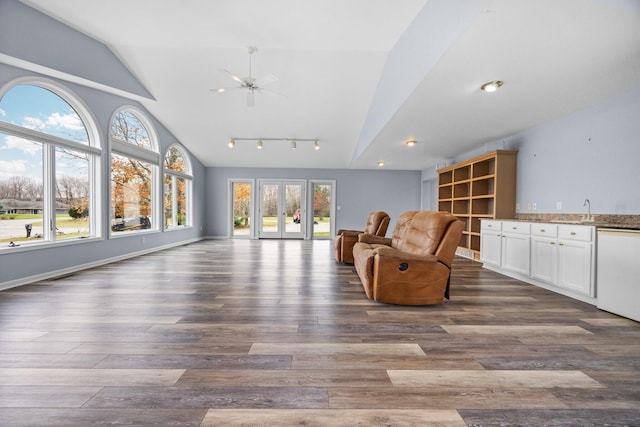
293,142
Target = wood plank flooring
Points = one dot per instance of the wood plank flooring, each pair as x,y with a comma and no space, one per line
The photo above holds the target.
274,332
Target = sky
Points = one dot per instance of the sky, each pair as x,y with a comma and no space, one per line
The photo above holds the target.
39,109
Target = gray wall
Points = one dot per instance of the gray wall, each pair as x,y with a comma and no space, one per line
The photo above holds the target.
358,192
592,153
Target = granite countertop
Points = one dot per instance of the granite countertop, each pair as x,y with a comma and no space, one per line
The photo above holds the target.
629,222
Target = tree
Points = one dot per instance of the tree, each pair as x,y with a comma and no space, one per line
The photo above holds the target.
321,201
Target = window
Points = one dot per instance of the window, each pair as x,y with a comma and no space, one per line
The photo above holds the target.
134,172
177,189
49,165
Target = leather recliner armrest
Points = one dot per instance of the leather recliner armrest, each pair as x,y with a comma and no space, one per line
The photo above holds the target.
373,239
404,256
353,233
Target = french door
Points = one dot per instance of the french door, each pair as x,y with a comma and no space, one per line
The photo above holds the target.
281,209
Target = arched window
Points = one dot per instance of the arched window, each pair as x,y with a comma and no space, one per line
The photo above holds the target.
134,172
49,168
177,189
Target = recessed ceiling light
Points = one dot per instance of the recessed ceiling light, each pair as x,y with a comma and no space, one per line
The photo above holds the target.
231,143
381,163
411,142
491,86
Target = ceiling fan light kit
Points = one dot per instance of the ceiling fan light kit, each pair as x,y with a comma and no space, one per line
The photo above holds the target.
251,84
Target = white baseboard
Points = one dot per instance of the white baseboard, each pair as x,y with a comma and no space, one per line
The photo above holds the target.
69,270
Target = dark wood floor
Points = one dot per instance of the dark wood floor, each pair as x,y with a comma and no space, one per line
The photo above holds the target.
276,333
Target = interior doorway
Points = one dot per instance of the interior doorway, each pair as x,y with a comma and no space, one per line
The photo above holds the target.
281,210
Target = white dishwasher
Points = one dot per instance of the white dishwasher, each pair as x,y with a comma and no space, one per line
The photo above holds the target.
618,272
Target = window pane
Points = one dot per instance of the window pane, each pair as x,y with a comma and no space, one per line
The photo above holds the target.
181,185
174,160
50,114
241,208
21,191
321,210
131,191
127,128
72,194
168,201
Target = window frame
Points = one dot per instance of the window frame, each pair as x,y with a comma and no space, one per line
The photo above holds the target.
152,156
188,176
49,143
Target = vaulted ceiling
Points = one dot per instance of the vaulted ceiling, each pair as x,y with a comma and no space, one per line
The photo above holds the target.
362,76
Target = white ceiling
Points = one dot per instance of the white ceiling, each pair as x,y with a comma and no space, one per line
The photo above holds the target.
555,57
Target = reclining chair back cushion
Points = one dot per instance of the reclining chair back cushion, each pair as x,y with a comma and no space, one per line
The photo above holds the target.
402,225
424,232
377,223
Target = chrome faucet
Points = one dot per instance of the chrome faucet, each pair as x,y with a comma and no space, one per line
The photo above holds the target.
587,203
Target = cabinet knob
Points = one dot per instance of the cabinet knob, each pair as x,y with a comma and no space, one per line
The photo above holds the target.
553,243
573,233
561,244
543,230
514,228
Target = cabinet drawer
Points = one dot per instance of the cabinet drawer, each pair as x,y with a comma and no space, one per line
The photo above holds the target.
544,230
576,232
515,227
488,224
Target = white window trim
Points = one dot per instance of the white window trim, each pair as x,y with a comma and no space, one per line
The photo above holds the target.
48,142
174,194
141,154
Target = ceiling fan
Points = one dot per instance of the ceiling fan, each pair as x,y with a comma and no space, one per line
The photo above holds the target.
249,83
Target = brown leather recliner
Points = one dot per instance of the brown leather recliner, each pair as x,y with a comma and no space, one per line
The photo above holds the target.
413,267
377,224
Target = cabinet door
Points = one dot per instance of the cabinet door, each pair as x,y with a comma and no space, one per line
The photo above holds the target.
574,266
544,259
515,253
490,248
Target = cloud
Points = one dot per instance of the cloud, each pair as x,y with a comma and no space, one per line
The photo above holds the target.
12,168
21,144
67,121
2,112
15,166
34,123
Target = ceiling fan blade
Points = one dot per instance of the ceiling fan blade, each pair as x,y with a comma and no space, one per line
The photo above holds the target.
233,76
266,80
224,89
270,92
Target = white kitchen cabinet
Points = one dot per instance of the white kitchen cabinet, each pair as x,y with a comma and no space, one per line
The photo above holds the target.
556,257
491,242
516,246
576,258
544,252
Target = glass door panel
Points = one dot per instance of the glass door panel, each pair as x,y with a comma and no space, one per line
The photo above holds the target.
281,211
241,197
269,210
322,209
